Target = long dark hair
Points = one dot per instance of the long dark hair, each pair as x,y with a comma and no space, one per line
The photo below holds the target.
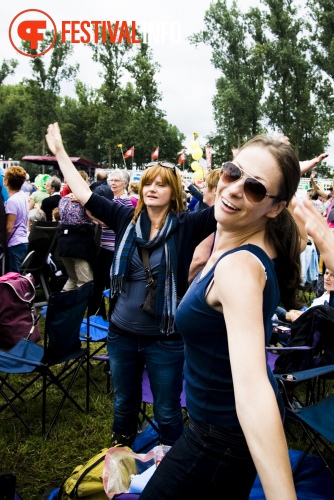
282,230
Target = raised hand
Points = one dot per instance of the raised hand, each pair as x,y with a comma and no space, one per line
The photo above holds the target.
53,138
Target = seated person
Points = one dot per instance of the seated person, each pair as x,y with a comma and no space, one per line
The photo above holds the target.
55,215
293,314
35,214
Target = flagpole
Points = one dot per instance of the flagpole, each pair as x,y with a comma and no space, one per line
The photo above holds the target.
121,148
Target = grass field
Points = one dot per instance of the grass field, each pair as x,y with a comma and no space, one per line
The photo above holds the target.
41,465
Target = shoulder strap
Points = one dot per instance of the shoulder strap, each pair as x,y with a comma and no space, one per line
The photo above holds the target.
12,234
143,253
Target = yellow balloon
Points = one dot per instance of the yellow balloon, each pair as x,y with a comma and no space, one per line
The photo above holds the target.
194,145
197,154
195,166
199,175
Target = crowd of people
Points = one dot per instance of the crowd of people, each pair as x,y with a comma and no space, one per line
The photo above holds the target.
181,261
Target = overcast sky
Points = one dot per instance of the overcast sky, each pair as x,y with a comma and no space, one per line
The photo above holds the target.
186,78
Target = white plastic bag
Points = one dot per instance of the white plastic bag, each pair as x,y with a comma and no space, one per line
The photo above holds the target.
120,466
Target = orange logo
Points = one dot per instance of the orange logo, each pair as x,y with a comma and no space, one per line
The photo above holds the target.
29,27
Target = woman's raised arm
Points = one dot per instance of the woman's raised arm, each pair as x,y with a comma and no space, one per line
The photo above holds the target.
77,184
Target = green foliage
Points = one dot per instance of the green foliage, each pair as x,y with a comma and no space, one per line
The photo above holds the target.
12,100
237,107
128,102
298,97
322,28
50,78
7,68
269,73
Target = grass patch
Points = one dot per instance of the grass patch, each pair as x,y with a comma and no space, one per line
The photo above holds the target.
41,465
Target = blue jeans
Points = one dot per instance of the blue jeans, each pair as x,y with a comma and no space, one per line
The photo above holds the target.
15,256
164,364
203,463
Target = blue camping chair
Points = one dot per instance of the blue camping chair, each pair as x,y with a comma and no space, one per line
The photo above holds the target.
147,399
57,362
98,333
315,415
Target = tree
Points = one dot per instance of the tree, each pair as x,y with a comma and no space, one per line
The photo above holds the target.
12,106
146,127
113,57
237,103
298,97
322,33
128,101
78,118
270,45
44,86
7,68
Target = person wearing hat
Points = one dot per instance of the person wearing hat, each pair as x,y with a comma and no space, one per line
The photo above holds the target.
38,196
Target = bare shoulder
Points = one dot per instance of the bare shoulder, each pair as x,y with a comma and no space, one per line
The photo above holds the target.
242,267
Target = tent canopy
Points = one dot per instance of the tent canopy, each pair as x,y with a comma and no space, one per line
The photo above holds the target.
51,160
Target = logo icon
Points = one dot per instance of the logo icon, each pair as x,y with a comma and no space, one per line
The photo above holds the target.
30,26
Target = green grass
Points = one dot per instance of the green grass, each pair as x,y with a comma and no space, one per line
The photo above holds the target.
41,465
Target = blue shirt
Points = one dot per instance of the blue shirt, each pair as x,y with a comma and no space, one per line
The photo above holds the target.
3,190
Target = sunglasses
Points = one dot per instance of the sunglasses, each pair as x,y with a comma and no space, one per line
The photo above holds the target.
255,191
164,164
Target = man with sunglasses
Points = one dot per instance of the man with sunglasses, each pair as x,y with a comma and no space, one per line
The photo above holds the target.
153,249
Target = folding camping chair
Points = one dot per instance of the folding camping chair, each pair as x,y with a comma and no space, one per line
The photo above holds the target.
315,416
98,334
147,399
58,362
42,240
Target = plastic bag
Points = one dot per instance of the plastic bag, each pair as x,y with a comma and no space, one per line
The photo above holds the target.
122,466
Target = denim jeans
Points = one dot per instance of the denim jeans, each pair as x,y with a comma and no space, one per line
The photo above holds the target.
15,256
203,463
164,364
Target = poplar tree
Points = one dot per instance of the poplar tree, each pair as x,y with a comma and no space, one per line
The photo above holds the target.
237,102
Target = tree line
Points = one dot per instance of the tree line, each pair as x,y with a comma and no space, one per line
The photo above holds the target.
276,71
276,66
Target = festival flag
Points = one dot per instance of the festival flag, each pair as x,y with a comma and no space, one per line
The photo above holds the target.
208,154
155,154
130,152
182,156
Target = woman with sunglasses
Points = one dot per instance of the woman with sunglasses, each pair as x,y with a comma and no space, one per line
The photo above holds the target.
160,230
235,410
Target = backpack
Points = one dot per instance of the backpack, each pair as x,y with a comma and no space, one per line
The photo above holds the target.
313,328
17,310
86,480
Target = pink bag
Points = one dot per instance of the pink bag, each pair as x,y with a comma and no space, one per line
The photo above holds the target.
17,310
